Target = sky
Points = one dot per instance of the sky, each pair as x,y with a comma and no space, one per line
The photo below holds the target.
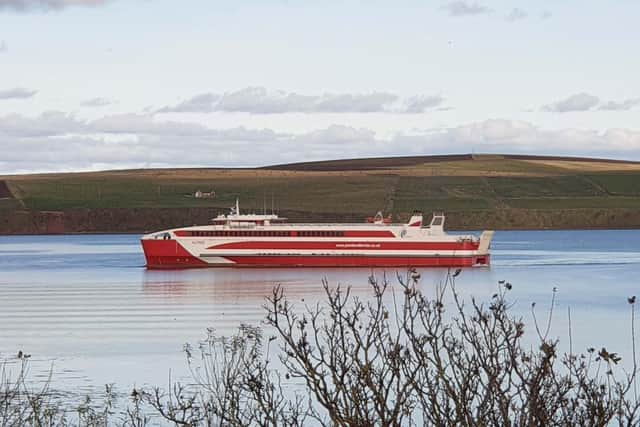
113,84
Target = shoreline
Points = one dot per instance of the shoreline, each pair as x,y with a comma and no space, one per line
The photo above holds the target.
148,220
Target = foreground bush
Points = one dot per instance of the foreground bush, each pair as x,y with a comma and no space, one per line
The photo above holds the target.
354,362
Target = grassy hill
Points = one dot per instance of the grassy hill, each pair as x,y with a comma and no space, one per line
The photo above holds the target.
462,185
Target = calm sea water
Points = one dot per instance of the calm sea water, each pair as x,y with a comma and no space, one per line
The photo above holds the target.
85,307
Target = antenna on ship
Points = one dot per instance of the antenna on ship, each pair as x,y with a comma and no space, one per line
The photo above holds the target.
272,212
237,206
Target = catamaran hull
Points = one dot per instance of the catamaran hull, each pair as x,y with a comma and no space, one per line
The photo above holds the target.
171,254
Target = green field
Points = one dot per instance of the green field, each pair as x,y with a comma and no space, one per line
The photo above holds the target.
456,185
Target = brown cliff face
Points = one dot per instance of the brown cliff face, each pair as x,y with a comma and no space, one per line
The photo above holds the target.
143,220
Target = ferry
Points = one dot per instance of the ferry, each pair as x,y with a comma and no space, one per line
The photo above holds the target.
253,240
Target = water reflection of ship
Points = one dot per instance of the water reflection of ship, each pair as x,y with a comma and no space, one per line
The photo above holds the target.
254,285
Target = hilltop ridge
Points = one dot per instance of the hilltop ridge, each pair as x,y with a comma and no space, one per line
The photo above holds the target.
401,161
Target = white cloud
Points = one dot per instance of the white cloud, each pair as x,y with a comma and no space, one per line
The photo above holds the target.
17,93
338,135
578,102
48,124
546,14
259,100
463,8
97,102
144,124
627,104
358,103
203,103
28,5
3,46
586,102
59,141
516,14
422,103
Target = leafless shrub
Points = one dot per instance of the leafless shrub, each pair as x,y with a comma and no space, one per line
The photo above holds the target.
234,386
22,404
411,362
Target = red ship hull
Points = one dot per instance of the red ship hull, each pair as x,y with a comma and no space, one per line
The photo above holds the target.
169,254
